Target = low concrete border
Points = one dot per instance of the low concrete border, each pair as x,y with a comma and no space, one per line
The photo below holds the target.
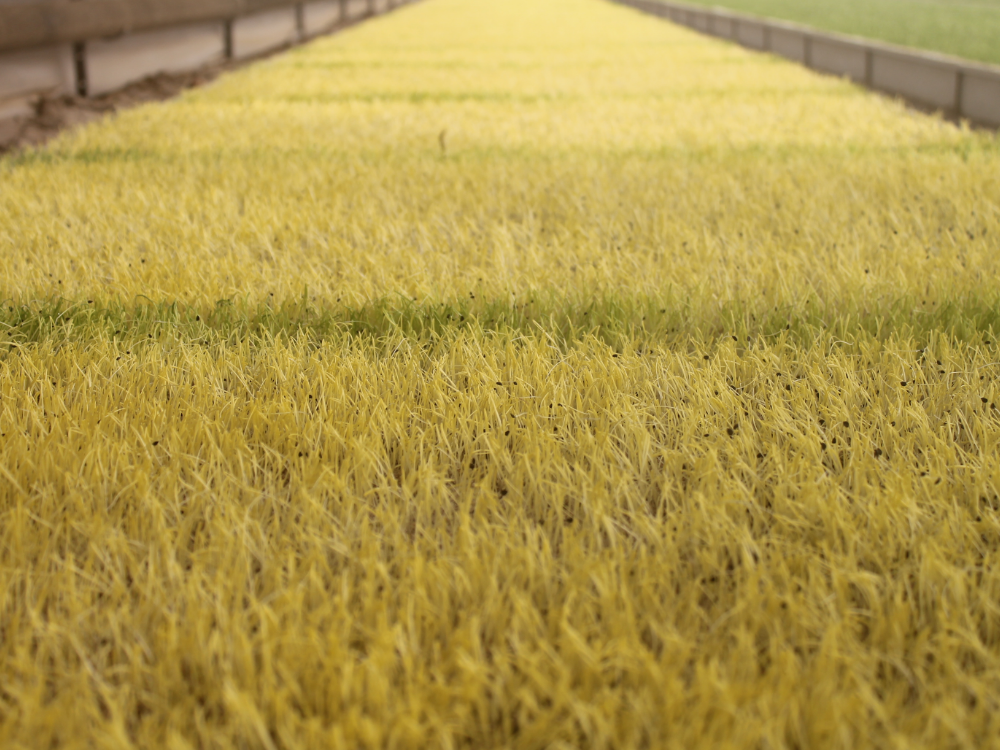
91,47
42,23
27,73
113,64
321,16
960,89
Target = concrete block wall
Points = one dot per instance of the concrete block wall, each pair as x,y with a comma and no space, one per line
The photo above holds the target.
55,47
27,74
261,32
320,17
751,34
114,63
357,9
980,96
927,81
789,43
956,87
841,58
722,26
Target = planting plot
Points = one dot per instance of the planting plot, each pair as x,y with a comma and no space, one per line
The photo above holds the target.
966,28
503,374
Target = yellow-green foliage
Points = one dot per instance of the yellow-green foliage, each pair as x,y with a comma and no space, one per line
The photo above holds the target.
503,374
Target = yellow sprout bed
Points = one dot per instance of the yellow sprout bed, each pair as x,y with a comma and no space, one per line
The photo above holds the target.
503,374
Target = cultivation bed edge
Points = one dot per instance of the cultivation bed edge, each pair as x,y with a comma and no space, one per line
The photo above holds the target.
95,47
960,89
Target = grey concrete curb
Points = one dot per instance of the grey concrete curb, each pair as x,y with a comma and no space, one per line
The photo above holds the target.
91,47
49,22
958,88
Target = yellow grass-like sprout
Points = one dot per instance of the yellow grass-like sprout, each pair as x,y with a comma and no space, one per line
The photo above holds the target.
503,374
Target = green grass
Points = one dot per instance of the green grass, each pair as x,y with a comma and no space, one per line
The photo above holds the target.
621,321
970,28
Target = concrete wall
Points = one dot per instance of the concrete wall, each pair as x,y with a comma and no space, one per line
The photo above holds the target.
980,96
841,58
927,81
114,63
750,34
320,17
262,32
357,9
790,43
56,47
27,74
722,27
957,87
700,21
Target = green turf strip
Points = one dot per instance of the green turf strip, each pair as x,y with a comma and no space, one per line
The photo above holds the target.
618,320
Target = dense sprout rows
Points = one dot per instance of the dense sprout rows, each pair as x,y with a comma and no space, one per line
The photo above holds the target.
503,374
